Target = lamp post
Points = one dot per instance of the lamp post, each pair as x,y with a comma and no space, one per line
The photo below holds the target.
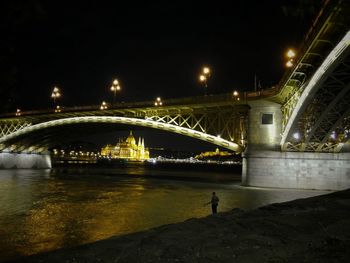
236,95
203,78
58,109
158,102
290,56
18,112
103,106
56,93
114,88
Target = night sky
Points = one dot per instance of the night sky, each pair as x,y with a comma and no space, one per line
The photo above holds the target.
154,48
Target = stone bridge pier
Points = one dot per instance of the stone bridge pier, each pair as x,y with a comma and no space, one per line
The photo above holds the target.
24,160
265,165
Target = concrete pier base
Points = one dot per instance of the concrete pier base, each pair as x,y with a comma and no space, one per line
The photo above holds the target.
24,160
322,171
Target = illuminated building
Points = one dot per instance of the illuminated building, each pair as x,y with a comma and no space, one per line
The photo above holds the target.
127,149
217,153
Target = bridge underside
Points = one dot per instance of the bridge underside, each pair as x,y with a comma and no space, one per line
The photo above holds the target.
40,137
321,118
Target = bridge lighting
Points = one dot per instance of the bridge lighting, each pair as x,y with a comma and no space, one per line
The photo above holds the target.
289,63
333,135
236,95
114,88
206,70
203,78
296,135
56,93
103,106
18,112
158,102
290,53
58,108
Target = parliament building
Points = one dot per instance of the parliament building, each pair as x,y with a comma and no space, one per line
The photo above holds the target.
127,149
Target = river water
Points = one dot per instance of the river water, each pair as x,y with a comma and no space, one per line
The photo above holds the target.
42,210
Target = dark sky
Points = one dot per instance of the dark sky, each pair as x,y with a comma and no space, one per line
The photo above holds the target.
154,48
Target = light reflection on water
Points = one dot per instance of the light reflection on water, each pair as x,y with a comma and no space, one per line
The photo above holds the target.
43,210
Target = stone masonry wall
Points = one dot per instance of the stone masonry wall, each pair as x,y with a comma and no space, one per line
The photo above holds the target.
323,171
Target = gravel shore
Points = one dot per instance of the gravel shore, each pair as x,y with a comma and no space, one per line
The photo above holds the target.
315,229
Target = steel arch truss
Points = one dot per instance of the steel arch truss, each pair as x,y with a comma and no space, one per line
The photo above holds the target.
228,123
13,142
9,127
320,41
324,123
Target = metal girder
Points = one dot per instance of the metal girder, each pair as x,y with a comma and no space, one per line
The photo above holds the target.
330,26
322,122
15,141
226,122
9,127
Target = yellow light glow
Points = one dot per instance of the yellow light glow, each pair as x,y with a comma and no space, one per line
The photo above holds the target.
202,78
158,99
206,70
160,103
115,82
289,64
118,87
156,104
235,93
112,88
291,53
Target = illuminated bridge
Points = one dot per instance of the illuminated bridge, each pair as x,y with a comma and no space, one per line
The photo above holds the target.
295,134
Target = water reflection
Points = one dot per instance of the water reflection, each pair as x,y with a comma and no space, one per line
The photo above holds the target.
43,210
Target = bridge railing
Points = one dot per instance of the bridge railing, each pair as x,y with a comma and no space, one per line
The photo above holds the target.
318,23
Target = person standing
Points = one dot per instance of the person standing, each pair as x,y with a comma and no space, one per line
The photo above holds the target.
214,203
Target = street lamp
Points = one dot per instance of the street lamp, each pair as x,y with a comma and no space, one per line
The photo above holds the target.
290,55
236,95
158,102
203,78
115,87
18,112
56,93
58,108
103,106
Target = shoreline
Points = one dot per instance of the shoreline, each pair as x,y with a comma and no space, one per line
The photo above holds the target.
315,229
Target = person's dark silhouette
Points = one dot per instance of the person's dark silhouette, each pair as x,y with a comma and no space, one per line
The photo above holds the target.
214,203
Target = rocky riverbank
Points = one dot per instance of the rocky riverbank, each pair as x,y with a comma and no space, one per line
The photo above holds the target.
315,229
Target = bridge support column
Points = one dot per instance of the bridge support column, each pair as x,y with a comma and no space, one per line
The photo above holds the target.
24,160
322,171
264,164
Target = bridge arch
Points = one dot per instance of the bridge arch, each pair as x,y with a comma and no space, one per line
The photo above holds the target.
326,72
124,120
